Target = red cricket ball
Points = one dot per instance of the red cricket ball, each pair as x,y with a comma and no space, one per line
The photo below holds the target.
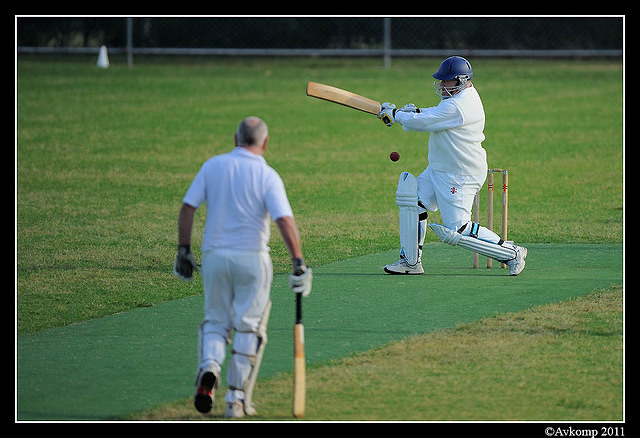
394,156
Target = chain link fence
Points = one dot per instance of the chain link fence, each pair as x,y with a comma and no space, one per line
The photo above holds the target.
328,36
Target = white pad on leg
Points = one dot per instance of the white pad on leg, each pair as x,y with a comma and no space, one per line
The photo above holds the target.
487,249
249,408
407,201
212,345
245,347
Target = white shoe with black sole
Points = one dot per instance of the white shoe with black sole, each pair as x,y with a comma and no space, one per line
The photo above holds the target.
402,267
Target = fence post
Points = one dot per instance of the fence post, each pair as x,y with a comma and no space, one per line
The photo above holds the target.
130,42
387,42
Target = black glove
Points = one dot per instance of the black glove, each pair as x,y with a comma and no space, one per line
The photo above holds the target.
185,263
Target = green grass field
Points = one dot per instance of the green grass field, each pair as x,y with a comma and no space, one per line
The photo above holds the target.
105,156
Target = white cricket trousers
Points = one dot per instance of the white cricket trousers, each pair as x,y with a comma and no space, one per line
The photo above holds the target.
453,195
237,287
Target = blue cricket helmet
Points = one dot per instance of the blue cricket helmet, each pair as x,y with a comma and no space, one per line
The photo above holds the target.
454,67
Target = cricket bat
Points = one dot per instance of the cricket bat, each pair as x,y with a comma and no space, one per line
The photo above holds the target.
343,97
299,367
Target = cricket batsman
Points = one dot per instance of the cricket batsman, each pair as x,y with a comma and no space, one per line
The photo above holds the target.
457,169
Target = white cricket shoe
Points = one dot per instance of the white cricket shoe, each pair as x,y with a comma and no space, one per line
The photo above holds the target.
234,409
402,267
517,265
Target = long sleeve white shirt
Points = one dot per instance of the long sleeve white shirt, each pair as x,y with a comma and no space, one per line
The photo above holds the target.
456,128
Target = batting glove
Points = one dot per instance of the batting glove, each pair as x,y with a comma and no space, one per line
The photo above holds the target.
387,113
300,279
185,263
410,108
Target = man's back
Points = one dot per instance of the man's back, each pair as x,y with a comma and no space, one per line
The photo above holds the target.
242,193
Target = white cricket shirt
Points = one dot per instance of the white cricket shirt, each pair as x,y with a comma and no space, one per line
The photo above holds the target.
243,193
456,128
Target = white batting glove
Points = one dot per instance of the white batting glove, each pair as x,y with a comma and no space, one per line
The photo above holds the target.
410,108
300,279
387,113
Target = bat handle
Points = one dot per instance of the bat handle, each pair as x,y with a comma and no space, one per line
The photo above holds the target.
299,308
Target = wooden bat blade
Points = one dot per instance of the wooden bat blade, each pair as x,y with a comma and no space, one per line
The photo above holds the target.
343,97
299,372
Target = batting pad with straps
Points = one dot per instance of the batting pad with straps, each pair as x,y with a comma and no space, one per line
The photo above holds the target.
249,407
487,249
407,201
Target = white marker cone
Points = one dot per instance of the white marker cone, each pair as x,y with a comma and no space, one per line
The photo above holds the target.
103,58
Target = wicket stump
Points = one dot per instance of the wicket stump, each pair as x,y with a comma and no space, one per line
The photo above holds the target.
505,209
